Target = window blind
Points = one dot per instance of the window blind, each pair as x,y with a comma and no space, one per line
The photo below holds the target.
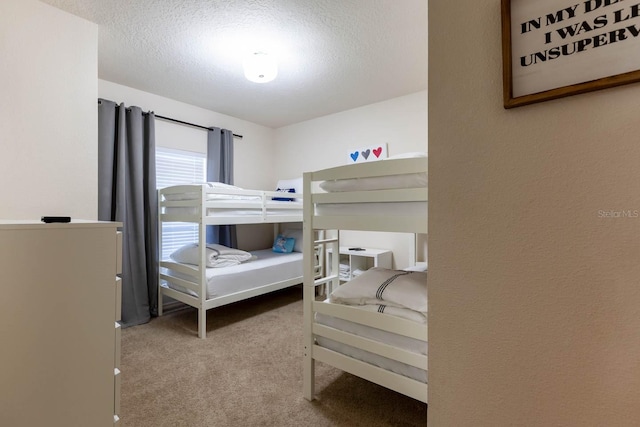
175,167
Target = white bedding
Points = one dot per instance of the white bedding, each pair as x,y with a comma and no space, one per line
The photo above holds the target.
267,267
397,288
216,255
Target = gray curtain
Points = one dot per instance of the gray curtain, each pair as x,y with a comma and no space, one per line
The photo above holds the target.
220,169
127,193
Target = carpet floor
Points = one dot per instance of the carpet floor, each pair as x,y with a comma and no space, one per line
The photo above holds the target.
247,372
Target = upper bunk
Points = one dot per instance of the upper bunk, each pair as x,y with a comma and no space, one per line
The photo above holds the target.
214,203
387,195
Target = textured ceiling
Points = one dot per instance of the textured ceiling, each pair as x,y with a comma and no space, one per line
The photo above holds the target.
333,55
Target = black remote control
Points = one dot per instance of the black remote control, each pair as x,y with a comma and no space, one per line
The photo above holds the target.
50,219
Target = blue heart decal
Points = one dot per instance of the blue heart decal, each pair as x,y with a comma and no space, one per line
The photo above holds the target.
354,156
366,153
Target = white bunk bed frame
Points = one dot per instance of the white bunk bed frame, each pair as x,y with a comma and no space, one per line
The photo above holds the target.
259,213
412,223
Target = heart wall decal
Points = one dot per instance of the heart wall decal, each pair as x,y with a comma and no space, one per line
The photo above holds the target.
367,153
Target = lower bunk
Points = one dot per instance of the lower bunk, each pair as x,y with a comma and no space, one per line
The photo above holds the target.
262,272
374,327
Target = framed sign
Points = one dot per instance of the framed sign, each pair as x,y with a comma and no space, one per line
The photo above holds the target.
557,48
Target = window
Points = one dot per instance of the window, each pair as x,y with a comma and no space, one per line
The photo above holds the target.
175,167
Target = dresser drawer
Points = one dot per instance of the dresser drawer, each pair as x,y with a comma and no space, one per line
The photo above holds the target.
118,296
118,350
119,252
116,391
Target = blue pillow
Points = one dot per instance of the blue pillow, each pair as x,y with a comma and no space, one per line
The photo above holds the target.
285,190
283,244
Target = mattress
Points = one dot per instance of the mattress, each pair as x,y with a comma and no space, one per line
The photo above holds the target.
399,341
267,267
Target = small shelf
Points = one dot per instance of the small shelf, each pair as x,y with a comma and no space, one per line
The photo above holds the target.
356,261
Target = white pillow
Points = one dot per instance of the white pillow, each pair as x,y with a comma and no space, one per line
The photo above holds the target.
296,234
405,289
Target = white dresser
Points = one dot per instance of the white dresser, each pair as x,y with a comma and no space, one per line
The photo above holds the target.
59,337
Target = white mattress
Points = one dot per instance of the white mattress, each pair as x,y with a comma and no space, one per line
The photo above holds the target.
268,267
406,343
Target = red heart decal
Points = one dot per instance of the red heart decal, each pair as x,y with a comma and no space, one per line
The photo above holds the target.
377,151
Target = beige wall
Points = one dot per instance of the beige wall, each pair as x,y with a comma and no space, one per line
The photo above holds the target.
534,294
48,121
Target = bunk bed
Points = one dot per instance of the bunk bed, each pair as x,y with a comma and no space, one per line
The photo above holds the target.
208,276
388,348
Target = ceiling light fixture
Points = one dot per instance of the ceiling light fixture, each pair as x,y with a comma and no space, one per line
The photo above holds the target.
260,67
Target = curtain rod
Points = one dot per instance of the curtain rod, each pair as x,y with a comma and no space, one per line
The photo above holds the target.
235,135
190,124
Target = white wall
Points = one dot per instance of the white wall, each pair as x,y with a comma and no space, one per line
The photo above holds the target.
324,142
534,296
48,121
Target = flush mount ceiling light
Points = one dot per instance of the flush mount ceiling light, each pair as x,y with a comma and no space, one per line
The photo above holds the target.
260,67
